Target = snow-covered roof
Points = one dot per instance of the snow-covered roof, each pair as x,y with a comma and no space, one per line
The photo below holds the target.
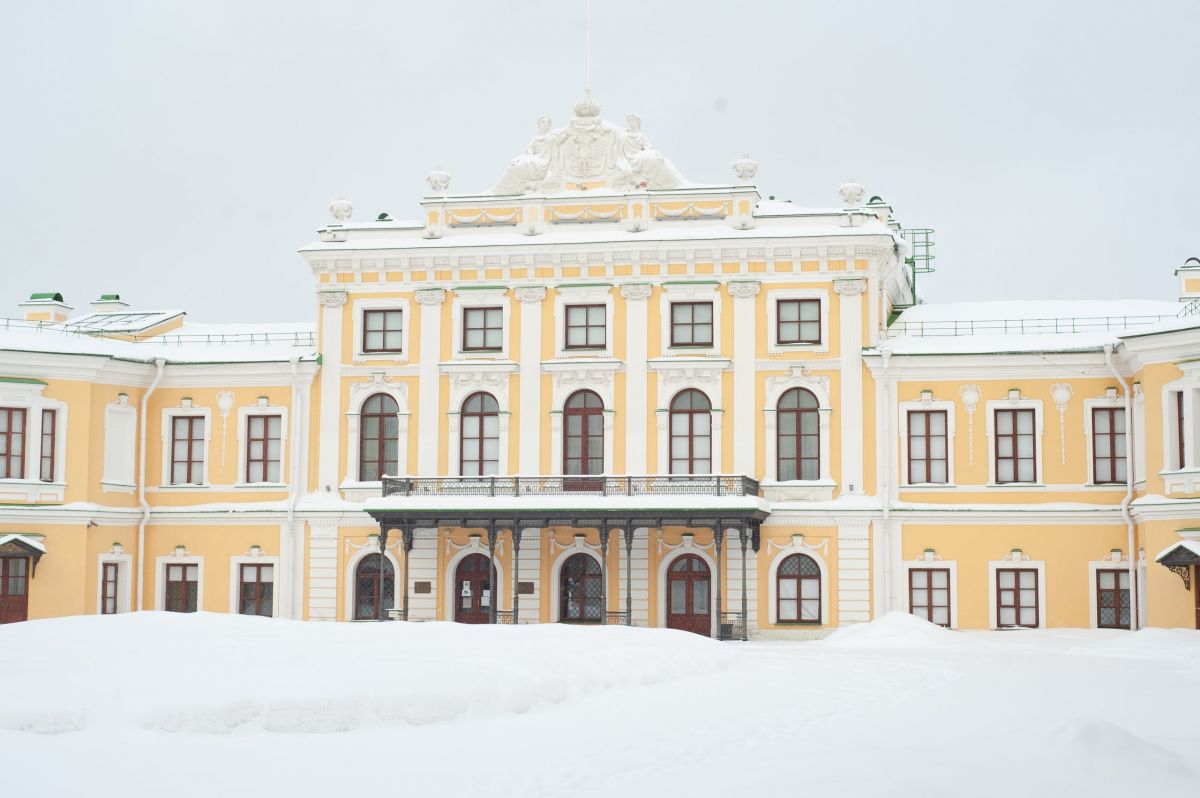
1028,325
188,343
123,321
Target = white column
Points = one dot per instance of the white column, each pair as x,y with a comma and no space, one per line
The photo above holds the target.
332,301
745,326
850,289
429,378
854,574
423,568
641,576
530,424
635,296
322,571
530,570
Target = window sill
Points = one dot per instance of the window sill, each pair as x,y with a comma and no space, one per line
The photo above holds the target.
32,490
365,358
117,487
929,486
260,486
1016,484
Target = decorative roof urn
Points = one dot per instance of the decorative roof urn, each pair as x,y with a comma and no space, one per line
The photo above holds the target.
745,168
438,180
852,193
341,208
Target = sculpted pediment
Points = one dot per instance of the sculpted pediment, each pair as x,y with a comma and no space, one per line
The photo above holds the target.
588,153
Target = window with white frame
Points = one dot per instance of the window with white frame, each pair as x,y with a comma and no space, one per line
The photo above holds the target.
1015,445
264,448
1109,457
928,447
585,327
797,320
1018,601
12,442
256,589
187,450
929,594
691,324
110,588
798,436
482,329
182,587
798,590
382,331
1112,598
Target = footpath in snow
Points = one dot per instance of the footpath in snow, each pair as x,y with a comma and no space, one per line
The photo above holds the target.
226,705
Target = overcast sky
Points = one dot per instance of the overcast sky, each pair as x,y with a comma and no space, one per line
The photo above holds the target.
180,153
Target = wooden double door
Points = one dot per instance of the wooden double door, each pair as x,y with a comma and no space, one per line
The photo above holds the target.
473,589
14,589
689,595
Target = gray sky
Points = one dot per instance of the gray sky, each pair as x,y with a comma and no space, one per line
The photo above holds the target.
179,153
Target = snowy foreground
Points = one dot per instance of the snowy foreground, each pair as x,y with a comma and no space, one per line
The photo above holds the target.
154,704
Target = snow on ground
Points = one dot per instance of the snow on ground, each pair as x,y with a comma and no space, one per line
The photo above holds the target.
224,705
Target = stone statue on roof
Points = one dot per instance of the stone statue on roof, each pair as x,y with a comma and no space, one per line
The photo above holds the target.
529,169
646,166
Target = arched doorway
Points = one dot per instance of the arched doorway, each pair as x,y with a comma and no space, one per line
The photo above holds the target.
367,593
473,594
689,606
581,594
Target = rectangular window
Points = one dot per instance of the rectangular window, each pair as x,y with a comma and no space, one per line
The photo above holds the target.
257,593
47,459
483,329
1108,445
1015,448
382,330
691,324
798,321
1017,597
182,588
585,326
1112,598
264,444
927,439
187,450
929,594
109,576
12,443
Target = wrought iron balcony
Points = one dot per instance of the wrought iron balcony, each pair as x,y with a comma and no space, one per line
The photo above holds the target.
612,485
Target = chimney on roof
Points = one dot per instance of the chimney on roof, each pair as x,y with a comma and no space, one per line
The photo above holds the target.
46,306
1189,280
109,303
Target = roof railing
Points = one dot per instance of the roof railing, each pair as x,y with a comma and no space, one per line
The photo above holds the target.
1042,326
296,338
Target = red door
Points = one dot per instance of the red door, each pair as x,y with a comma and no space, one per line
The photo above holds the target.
688,604
14,589
473,593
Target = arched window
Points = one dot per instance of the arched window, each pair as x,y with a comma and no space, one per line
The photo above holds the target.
378,437
367,593
798,590
799,436
479,437
691,433
583,434
581,598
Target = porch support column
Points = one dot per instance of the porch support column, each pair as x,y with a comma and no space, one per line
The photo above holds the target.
491,530
604,531
516,543
719,543
383,536
628,573
744,537
407,532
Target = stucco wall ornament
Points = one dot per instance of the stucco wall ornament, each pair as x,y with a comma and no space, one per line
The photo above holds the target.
331,299
530,293
970,395
850,286
799,375
636,292
744,289
430,296
1060,392
224,405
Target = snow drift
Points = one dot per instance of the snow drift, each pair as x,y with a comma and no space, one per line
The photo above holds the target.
216,673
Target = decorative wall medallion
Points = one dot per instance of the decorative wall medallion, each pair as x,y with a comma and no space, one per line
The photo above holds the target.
744,289
331,298
1060,392
636,292
850,286
970,395
530,293
224,405
430,296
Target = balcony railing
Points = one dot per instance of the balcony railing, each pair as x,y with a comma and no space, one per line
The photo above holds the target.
648,485
1045,326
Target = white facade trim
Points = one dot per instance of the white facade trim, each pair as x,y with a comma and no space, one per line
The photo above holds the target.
400,303
1036,565
689,292
160,570
599,294
578,546
947,565
902,425
782,553
475,546
773,296
360,392
124,563
184,410
480,298
1023,403
349,595
262,408
467,379
1114,403
278,598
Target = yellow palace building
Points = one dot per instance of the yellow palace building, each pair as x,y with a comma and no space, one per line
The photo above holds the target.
601,393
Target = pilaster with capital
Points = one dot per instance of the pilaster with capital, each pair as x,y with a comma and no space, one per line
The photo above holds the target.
429,416
850,291
530,411
332,301
636,375
745,302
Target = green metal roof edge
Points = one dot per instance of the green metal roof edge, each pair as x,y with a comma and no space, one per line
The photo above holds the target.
52,295
23,380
